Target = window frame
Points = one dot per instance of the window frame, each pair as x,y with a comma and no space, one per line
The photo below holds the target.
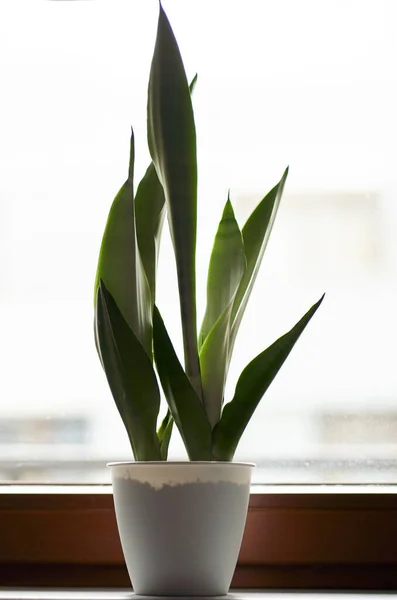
318,537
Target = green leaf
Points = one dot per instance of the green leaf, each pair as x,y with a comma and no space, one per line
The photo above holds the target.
149,214
227,267
252,384
214,362
256,233
185,406
172,144
130,375
120,266
192,84
164,434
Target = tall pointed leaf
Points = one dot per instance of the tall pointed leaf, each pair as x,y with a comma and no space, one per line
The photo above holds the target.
149,214
130,375
192,84
120,265
185,406
256,233
164,434
214,362
227,267
252,384
172,144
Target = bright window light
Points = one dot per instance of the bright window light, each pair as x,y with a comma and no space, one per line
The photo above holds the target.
308,84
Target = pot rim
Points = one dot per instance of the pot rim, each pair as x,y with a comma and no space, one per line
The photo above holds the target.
184,463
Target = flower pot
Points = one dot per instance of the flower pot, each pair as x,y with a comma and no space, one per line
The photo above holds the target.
181,524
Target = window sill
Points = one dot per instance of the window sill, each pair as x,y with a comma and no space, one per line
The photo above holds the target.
126,594
306,537
100,594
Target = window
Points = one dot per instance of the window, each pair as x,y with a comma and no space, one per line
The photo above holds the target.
75,77
309,84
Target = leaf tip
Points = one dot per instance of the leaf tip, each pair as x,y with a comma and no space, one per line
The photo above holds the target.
102,295
284,177
193,84
163,19
132,157
100,286
318,304
228,212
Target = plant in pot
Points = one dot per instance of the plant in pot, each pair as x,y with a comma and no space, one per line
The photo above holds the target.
180,523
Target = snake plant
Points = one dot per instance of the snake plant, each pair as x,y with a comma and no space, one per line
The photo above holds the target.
130,334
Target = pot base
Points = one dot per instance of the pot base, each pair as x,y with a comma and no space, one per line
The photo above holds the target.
143,597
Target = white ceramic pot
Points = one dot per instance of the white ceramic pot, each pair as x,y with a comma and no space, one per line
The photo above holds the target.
181,524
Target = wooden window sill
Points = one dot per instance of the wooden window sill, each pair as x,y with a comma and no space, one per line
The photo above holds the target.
125,594
296,537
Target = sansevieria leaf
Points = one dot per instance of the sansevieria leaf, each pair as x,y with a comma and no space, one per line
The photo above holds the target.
227,267
256,233
185,406
192,84
214,362
164,434
172,144
149,215
252,384
130,375
120,266
129,330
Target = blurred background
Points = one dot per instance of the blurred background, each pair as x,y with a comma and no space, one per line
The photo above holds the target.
310,84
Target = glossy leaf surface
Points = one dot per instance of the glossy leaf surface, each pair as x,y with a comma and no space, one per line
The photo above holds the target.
164,434
130,375
256,233
185,406
252,384
120,266
172,144
214,361
149,215
227,267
